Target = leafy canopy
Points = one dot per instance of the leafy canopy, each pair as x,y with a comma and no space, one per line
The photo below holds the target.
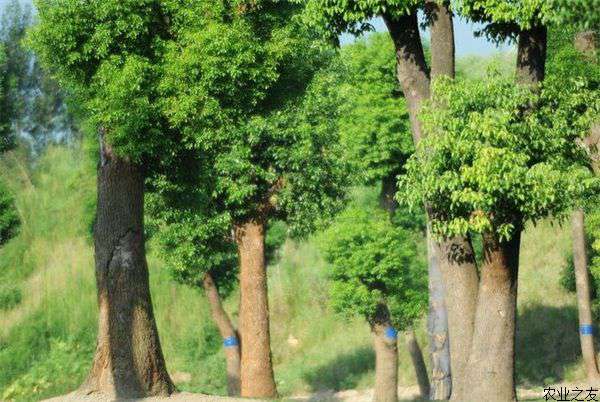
109,55
374,125
499,155
375,263
234,86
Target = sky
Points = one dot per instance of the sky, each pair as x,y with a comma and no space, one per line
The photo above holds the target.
466,42
464,32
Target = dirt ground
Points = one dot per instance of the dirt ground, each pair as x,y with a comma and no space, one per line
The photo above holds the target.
404,394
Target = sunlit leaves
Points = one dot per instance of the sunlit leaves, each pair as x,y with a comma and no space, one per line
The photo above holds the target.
499,155
374,262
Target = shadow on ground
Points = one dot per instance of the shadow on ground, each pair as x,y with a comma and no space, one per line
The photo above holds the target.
343,372
547,343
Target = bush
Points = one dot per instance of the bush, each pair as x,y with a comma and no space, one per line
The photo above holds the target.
10,296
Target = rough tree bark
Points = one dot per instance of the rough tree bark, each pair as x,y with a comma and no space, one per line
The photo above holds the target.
585,42
461,281
128,362
531,55
228,333
490,369
257,379
385,342
412,70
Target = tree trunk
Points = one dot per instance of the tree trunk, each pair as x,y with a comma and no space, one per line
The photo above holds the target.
461,281
257,379
443,62
490,369
416,355
531,55
443,49
437,327
413,73
128,362
229,334
385,342
584,305
387,197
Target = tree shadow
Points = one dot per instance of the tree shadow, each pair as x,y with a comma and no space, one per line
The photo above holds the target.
547,343
343,372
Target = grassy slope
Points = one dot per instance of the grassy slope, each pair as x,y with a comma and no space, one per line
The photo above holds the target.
46,341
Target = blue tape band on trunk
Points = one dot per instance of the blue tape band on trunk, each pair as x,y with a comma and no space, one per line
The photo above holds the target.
586,329
231,342
391,333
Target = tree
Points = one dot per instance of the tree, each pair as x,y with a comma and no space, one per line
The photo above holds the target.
377,272
414,75
34,104
109,55
574,55
9,218
234,87
377,142
506,155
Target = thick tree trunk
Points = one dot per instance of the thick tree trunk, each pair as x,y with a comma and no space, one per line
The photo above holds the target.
584,305
385,342
416,355
490,369
437,327
413,73
128,361
531,55
229,334
443,49
257,379
461,281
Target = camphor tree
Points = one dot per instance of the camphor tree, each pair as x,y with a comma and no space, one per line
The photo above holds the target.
499,155
195,239
378,271
573,52
109,55
196,244
414,75
376,139
233,85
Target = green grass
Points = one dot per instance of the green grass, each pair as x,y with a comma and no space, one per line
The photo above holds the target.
47,332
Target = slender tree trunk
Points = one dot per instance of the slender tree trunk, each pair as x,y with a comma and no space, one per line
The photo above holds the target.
257,379
416,355
585,42
490,370
443,62
229,334
128,362
385,342
531,55
437,327
584,305
388,202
